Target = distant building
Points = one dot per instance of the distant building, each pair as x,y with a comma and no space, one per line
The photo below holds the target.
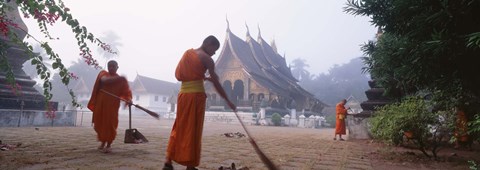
251,71
156,95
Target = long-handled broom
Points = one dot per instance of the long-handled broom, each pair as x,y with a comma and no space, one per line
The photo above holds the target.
262,156
151,113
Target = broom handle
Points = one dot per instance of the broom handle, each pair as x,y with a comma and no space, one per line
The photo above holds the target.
243,125
151,113
270,165
129,116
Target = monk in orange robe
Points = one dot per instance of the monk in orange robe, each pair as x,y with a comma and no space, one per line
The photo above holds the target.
461,130
105,107
184,145
341,114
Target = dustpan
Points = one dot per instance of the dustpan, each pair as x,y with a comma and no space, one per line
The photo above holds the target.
133,135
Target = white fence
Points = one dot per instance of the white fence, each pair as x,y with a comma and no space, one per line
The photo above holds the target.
229,117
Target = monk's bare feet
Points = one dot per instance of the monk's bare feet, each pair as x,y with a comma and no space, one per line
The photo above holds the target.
191,168
107,150
167,166
101,147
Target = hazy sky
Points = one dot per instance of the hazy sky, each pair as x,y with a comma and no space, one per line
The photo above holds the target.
155,33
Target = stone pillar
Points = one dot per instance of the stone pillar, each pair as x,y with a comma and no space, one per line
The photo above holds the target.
263,120
16,56
357,123
263,107
301,121
255,118
311,121
293,120
287,119
317,121
321,121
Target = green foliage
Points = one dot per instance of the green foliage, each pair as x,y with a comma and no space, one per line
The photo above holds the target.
276,119
474,125
389,72
424,45
392,120
473,40
4,65
331,120
472,165
412,115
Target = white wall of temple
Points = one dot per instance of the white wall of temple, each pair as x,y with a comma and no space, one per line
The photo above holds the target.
154,102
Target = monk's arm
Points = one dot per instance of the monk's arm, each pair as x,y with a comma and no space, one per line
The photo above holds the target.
345,110
127,94
112,79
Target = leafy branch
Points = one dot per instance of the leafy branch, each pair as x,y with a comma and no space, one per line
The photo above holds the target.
46,13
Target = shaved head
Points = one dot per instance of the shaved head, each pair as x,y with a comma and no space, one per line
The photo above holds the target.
210,45
211,41
112,62
112,66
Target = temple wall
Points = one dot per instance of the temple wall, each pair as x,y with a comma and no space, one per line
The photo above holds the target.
26,118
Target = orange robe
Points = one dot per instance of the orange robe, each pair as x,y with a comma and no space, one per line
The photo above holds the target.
461,130
184,145
105,107
340,123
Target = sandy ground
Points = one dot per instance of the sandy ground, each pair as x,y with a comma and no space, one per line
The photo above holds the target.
288,148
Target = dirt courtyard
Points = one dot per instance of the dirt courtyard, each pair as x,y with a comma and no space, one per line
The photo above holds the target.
288,148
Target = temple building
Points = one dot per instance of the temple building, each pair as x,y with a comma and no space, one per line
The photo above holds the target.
154,94
254,75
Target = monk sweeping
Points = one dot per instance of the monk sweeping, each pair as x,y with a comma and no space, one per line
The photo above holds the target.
184,145
341,114
105,107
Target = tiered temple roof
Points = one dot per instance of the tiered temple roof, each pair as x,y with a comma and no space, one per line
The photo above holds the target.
262,63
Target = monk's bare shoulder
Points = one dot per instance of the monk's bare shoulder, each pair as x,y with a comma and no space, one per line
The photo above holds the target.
201,53
207,61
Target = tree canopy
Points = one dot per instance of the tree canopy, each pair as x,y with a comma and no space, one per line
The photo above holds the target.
425,45
340,82
299,71
84,72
